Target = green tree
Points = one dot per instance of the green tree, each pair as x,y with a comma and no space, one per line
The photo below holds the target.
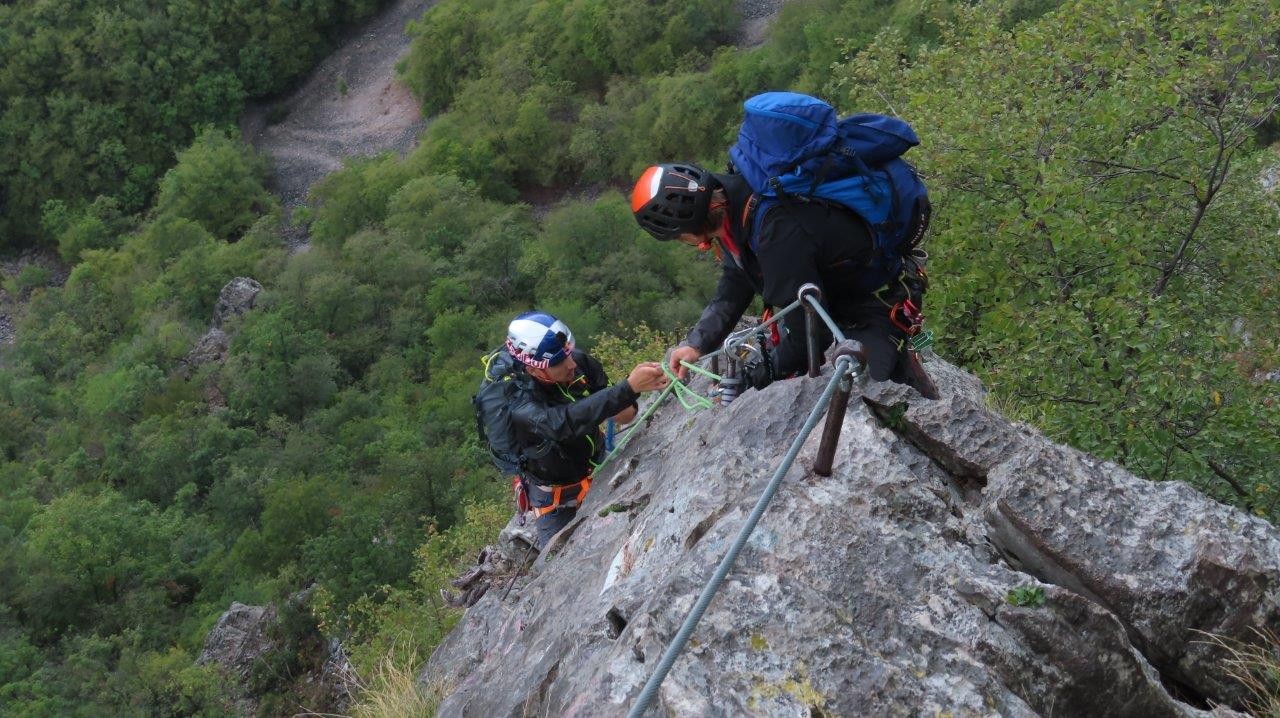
96,98
98,226
218,183
88,550
1100,226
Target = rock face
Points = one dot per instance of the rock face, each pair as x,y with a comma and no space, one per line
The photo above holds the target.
245,636
882,590
239,638
236,298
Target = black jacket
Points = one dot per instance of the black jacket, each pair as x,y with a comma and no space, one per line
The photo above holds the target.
798,244
558,427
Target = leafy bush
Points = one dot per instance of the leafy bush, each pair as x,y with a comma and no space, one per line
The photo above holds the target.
1082,272
97,97
405,624
217,183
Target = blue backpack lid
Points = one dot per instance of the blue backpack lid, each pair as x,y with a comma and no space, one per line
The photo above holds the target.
781,130
876,138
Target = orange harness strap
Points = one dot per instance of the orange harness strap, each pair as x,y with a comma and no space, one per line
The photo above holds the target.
557,491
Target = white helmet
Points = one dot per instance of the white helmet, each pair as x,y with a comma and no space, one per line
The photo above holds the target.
539,340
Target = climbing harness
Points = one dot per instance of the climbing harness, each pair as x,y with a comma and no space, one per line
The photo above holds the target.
557,491
906,315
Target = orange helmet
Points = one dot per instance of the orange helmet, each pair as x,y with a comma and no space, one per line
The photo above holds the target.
671,200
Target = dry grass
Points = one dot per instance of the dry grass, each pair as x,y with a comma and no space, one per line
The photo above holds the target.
393,692
1257,667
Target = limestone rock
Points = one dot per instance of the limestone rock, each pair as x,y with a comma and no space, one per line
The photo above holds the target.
212,347
887,589
236,298
496,567
245,635
239,638
336,675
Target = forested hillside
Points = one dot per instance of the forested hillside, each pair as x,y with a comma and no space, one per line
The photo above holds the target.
1103,255
97,97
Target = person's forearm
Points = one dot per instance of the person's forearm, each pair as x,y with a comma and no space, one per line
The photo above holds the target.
733,296
582,417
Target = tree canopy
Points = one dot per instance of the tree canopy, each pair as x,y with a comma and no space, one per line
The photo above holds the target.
97,97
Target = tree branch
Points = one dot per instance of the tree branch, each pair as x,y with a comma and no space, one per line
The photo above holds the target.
1223,474
1127,169
1063,399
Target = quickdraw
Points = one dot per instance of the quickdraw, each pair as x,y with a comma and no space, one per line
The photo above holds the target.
520,494
775,334
906,316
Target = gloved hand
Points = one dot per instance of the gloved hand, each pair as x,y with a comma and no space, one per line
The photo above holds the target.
758,373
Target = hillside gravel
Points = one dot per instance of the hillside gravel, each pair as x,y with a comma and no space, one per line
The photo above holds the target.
352,105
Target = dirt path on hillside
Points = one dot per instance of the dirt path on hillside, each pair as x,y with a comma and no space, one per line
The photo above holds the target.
321,125
351,105
757,17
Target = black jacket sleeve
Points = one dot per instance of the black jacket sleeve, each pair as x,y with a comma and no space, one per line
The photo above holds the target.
593,371
733,295
788,254
570,421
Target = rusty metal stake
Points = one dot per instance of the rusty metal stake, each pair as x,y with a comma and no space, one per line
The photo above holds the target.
838,406
831,429
811,328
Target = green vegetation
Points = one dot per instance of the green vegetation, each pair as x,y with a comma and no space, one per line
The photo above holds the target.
335,446
543,93
1103,257
394,692
1026,596
95,97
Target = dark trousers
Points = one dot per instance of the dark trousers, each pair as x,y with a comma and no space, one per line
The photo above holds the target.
549,524
887,346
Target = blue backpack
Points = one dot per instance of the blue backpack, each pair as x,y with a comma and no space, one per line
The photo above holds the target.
792,148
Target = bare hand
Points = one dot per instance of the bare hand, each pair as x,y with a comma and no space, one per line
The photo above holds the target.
680,354
647,376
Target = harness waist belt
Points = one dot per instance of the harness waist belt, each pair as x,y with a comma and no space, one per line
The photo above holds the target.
558,490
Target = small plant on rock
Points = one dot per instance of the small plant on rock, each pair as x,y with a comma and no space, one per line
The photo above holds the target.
1026,596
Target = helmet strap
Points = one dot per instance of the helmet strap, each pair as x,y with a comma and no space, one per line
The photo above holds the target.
539,375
